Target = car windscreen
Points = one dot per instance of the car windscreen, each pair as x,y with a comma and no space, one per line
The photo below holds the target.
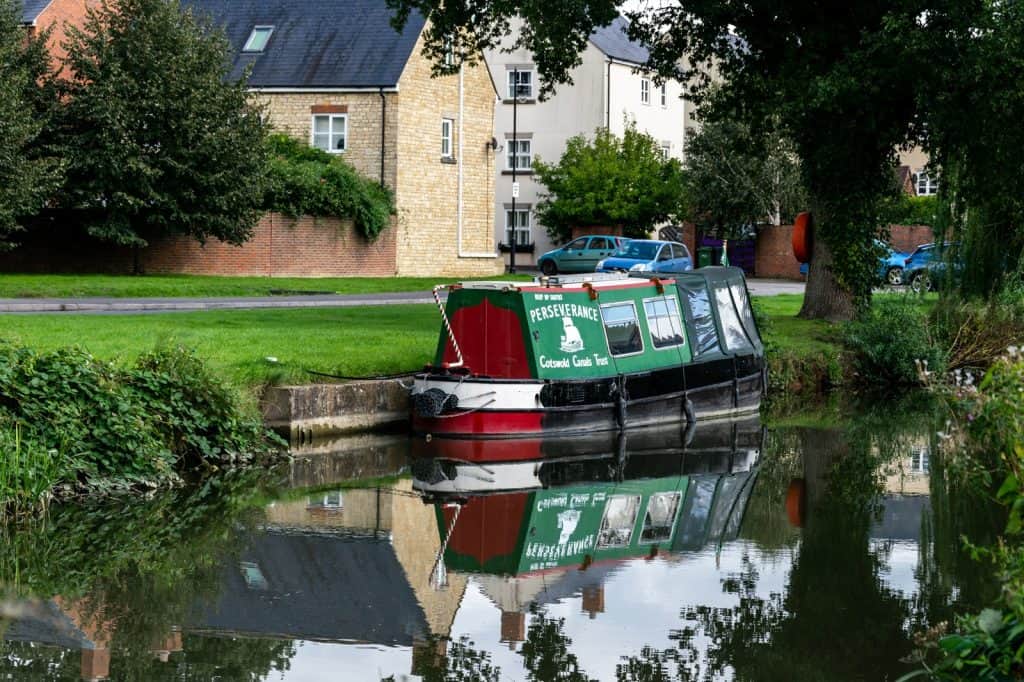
644,250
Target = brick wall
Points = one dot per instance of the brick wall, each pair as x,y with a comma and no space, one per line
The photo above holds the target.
58,16
280,247
773,252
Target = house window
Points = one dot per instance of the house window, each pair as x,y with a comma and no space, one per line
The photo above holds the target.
329,132
520,84
518,155
447,126
925,185
449,51
666,151
645,90
622,329
664,94
517,221
663,322
258,39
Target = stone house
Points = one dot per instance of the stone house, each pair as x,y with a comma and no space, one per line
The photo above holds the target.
608,89
334,73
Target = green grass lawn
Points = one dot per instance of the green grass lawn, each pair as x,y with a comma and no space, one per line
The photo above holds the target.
351,341
790,333
154,286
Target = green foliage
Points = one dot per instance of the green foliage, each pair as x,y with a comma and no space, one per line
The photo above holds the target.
610,181
975,335
891,340
904,209
972,106
156,137
106,426
736,179
28,173
28,470
306,180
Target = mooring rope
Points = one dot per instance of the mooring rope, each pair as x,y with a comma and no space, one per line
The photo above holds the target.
448,327
439,575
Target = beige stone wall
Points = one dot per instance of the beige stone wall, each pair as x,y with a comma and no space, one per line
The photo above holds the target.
428,188
292,113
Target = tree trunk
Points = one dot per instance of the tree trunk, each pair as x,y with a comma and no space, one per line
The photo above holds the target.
824,299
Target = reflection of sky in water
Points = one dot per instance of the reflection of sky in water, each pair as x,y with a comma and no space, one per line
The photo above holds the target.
643,600
316,661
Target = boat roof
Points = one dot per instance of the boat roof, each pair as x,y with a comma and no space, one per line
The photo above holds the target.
706,275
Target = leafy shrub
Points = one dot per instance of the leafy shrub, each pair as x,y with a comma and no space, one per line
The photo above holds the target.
890,339
975,335
141,425
305,180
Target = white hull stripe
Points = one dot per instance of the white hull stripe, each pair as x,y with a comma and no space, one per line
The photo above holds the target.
487,395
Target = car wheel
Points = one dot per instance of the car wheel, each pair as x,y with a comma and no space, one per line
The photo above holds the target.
894,277
549,268
921,283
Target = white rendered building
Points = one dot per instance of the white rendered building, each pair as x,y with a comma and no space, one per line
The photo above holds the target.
608,89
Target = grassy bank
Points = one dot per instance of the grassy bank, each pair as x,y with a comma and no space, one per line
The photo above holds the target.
348,341
161,286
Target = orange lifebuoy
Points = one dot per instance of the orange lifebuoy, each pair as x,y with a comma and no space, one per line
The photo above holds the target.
803,228
795,500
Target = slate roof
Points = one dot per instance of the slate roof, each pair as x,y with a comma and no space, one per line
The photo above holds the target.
320,587
613,41
316,43
31,9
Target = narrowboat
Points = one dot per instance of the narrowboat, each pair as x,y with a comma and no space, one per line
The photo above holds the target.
590,353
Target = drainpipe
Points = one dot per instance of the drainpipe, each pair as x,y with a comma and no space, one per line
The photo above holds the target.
608,95
383,120
460,160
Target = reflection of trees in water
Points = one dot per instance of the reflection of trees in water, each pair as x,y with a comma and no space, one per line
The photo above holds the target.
837,618
126,574
545,652
441,659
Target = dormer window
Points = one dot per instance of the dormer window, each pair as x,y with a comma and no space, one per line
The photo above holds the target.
258,39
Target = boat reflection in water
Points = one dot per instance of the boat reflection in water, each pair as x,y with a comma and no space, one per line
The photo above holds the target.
556,524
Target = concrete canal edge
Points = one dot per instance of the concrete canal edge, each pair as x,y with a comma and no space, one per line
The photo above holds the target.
315,411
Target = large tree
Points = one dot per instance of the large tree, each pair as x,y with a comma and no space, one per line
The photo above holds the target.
737,179
836,77
610,180
157,137
28,173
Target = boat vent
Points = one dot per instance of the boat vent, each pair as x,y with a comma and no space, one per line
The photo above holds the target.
573,280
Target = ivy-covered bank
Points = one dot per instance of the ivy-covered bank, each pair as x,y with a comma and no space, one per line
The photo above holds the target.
72,424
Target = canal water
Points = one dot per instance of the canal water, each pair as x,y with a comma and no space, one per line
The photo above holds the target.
811,550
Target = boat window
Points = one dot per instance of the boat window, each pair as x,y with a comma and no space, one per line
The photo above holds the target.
735,337
618,522
663,321
739,296
622,329
703,320
660,517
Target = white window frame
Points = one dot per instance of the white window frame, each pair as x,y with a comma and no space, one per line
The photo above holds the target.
519,229
645,91
664,95
449,51
679,318
512,91
924,185
447,138
636,318
513,150
331,118
248,47
666,151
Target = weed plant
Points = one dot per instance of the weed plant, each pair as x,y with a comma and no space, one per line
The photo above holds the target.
68,418
891,340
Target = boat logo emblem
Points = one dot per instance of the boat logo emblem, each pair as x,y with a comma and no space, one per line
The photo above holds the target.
567,522
571,341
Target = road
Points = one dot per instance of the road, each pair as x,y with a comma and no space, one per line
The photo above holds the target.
758,287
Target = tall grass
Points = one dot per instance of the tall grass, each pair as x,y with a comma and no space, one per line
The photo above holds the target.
28,472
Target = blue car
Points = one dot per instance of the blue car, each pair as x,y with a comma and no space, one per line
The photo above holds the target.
648,255
924,254
891,265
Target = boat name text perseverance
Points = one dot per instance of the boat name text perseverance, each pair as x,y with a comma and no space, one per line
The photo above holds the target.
557,310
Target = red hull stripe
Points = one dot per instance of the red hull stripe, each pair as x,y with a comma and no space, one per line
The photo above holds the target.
483,423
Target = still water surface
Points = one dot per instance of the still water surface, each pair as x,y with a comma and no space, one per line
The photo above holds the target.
729,552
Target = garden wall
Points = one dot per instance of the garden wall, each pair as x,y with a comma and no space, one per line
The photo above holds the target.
280,247
773,252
